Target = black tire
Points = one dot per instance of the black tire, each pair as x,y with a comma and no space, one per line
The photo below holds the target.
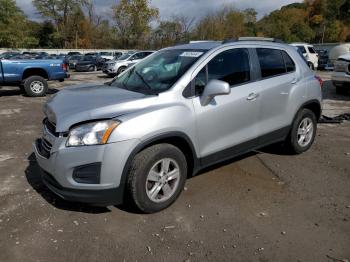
32,90
92,68
21,87
121,70
141,166
340,90
292,141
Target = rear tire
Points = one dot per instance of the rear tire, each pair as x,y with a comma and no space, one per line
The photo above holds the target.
151,184
340,90
303,132
35,86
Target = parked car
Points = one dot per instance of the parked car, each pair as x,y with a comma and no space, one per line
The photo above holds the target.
341,74
32,75
116,67
309,53
182,109
89,64
323,59
106,55
73,60
7,55
73,53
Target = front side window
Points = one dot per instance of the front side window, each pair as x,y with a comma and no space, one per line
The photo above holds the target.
231,66
158,73
271,62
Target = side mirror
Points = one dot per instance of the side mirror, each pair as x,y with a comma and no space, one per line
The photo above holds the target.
214,88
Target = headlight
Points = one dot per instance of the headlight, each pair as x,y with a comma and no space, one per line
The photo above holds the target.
96,133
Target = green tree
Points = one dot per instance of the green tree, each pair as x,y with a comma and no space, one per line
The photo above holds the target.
61,13
14,26
132,21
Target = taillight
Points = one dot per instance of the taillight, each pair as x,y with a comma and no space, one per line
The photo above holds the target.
64,67
319,79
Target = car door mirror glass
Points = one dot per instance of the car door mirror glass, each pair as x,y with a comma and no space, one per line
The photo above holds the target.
214,88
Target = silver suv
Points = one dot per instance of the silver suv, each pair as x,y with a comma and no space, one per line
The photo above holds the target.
174,113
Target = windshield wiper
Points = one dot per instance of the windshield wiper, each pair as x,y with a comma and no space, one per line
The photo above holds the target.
143,80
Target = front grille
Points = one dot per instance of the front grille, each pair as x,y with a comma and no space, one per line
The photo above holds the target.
50,127
44,147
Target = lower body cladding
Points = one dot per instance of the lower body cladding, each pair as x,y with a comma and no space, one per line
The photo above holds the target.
87,174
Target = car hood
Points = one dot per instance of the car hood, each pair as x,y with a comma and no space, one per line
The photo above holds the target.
345,57
82,103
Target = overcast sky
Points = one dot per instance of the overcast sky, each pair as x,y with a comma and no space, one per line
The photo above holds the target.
168,8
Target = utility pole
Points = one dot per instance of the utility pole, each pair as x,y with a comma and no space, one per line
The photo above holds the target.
76,39
324,30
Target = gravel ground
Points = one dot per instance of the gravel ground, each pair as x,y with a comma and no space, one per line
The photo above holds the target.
264,206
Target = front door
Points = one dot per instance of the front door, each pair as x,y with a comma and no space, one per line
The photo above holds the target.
228,125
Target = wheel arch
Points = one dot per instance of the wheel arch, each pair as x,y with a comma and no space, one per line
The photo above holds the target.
35,72
314,106
178,139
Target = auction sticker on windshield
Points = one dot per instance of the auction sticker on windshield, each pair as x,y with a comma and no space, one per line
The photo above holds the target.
192,54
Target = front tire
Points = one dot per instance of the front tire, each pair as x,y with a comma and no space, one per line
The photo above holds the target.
35,86
157,177
121,70
303,132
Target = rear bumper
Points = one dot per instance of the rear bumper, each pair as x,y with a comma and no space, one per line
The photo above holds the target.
340,78
60,76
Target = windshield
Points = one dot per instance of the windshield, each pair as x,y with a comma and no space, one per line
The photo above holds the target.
124,57
106,53
76,57
159,72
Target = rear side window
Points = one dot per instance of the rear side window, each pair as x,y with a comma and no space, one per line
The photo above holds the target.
271,62
290,65
311,50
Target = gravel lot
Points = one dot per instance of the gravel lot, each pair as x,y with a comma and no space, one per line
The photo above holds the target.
264,206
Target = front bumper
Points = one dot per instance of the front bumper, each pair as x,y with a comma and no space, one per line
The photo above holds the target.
61,162
108,70
80,68
341,78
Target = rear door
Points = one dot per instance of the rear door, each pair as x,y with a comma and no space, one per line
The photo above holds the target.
278,76
228,125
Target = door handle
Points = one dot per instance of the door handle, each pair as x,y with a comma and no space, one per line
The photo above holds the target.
294,81
252,96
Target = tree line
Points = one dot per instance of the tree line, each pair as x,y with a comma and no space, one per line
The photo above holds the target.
136,24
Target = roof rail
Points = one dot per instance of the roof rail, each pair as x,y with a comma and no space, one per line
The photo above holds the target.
253,39
268,39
